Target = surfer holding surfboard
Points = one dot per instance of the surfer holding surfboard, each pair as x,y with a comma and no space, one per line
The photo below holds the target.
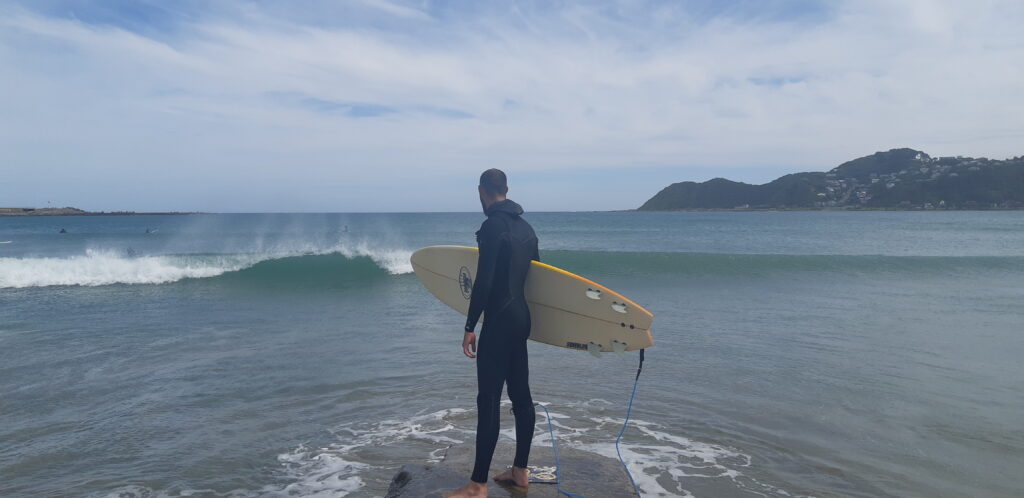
507,244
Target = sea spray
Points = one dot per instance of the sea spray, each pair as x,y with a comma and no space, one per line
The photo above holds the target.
107,267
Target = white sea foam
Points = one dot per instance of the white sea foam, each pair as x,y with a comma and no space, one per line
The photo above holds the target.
132,491
319,472
136,491
105,268
662,463
336,470
651,452
97,267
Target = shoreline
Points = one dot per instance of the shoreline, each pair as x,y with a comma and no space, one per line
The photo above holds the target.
738,210
54,212
68,211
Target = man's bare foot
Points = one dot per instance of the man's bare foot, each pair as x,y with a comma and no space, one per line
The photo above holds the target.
516,475
472,489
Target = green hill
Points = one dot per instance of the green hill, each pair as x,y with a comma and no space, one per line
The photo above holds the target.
895,179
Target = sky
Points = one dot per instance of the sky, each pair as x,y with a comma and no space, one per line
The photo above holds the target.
390,105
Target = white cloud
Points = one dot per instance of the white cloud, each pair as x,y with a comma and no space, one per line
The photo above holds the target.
555,90
395,9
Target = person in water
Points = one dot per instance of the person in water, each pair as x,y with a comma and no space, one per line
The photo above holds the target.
507,245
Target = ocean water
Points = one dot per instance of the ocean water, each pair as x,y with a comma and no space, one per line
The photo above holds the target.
795,353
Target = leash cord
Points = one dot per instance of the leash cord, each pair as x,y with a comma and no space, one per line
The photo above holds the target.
554,447
629,408
554,444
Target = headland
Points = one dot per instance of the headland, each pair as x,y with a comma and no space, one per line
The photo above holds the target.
71,211
898,179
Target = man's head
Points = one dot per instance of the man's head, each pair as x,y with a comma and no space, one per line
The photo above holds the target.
493,187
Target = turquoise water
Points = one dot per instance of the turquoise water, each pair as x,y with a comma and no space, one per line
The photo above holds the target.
796,353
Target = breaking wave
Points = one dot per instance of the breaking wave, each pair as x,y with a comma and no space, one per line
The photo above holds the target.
365,261
96,267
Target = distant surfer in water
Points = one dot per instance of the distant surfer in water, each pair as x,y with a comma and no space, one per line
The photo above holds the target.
507,245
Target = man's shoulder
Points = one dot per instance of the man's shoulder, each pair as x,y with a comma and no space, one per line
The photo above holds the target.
489,229
491,223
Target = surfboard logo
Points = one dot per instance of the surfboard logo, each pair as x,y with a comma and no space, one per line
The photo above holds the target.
465,282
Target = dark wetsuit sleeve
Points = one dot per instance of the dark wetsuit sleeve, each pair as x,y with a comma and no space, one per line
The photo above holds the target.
488,239
536,253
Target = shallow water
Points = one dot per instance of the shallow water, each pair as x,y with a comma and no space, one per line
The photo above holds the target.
796,353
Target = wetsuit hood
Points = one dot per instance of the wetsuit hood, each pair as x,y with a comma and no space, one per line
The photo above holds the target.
506,206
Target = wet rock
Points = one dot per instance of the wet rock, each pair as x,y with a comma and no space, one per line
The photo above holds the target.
582,473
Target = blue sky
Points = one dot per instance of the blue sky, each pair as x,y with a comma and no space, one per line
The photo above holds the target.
388,105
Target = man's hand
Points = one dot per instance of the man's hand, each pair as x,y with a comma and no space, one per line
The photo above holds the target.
469,344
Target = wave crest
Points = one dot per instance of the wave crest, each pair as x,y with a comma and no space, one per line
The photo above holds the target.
97,267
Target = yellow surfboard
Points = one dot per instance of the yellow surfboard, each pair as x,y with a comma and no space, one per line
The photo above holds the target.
566,310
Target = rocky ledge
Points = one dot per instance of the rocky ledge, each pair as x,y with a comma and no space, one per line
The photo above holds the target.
583,473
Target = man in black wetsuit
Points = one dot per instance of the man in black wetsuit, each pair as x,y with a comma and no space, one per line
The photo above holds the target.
507,245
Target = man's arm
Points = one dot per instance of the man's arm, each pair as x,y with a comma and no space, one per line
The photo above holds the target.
488,239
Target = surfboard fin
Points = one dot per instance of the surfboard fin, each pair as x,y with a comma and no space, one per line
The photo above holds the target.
617,346
594,349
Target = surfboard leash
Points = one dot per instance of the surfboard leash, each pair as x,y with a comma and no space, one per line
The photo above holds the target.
558,467
629,409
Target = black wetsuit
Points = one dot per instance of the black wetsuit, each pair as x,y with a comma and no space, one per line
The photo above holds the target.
507,245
